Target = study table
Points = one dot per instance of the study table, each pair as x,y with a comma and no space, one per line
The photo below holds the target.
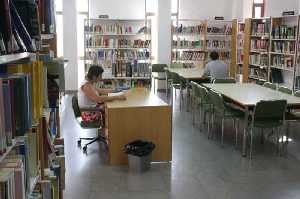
246,96
141,116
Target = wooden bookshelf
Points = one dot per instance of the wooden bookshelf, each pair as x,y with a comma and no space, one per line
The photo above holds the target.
240,38
121,46
15,58
188,42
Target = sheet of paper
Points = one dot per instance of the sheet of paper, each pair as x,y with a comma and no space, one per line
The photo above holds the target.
115,94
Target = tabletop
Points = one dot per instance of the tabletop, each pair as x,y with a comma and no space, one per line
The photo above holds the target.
248,94
137,97
188,73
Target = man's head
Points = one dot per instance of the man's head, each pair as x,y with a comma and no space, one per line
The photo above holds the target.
214,55
95,73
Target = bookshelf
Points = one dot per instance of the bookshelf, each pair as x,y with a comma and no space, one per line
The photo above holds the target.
258,50
188,42
122,47
240,38
283,54
13,58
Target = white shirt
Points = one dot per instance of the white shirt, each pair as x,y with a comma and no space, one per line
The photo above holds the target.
217,70
83,100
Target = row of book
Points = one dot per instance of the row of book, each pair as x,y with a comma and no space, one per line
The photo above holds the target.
130,69
189,44
218,44
260,28
188,55
226,29
284,32
116,28
284,47
258,73
21,101
225,56
240,57
259,44
282,61
259,59
14,35
181,29
117,55
106,42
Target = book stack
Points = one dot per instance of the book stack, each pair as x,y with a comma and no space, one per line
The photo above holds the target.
284,32
225,29
282,61
132,55
107,42
259,45
130,69
182,29
284,47
199,44
260,28
218,45
259,60
188,56
258,74
114,28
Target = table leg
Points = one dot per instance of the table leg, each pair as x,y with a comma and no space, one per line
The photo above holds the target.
244,150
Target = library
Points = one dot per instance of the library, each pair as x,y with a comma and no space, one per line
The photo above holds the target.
154,99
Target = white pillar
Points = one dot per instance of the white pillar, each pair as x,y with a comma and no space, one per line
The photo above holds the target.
164,32
70,43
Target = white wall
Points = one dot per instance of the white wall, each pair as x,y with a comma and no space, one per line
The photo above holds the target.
118,9
70,44
205,9
275,8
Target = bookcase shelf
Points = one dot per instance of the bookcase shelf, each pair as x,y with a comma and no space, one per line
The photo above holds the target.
13,58
121,46
283,68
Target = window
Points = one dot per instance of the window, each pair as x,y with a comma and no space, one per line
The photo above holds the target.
258,10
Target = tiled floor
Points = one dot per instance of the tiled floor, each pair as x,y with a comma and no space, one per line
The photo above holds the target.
200,169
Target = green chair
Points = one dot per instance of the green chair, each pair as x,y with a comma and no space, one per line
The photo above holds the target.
285,90
176,65
224,111
86,125
206,107
270,85
265,116
158,69
178,83
169,81
224,81
195,99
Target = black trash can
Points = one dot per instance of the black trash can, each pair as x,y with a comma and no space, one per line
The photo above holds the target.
139,155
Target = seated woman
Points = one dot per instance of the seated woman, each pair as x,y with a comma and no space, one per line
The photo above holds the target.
90,97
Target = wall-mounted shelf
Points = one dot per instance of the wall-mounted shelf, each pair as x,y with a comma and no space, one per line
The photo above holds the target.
13,58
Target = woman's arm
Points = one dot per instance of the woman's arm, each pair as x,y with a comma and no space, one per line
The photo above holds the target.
90,93
104,90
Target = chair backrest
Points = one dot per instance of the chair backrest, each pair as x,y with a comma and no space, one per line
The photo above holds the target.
270,111
217,100
195,89
203,92
75,107
297,93
159,68
286,90
224,81
270,85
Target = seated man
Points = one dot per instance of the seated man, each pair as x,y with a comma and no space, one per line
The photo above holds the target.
91,97
216,69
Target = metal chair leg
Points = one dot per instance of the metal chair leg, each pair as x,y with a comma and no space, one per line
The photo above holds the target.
222,139
251,143
236,133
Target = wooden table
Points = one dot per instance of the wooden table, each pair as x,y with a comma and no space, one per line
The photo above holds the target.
142,116
247,95
189,73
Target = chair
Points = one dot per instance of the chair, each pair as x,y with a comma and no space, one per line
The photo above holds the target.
224,81
169,81
195,98
297,93
206,106
86,125
178,83
285,90
270,85
176,65
158,68
266,116
221,109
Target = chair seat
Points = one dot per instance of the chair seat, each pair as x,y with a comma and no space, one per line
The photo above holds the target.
267,124
89,124
232,112
159,78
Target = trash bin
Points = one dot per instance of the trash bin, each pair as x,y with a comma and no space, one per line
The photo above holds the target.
139,153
